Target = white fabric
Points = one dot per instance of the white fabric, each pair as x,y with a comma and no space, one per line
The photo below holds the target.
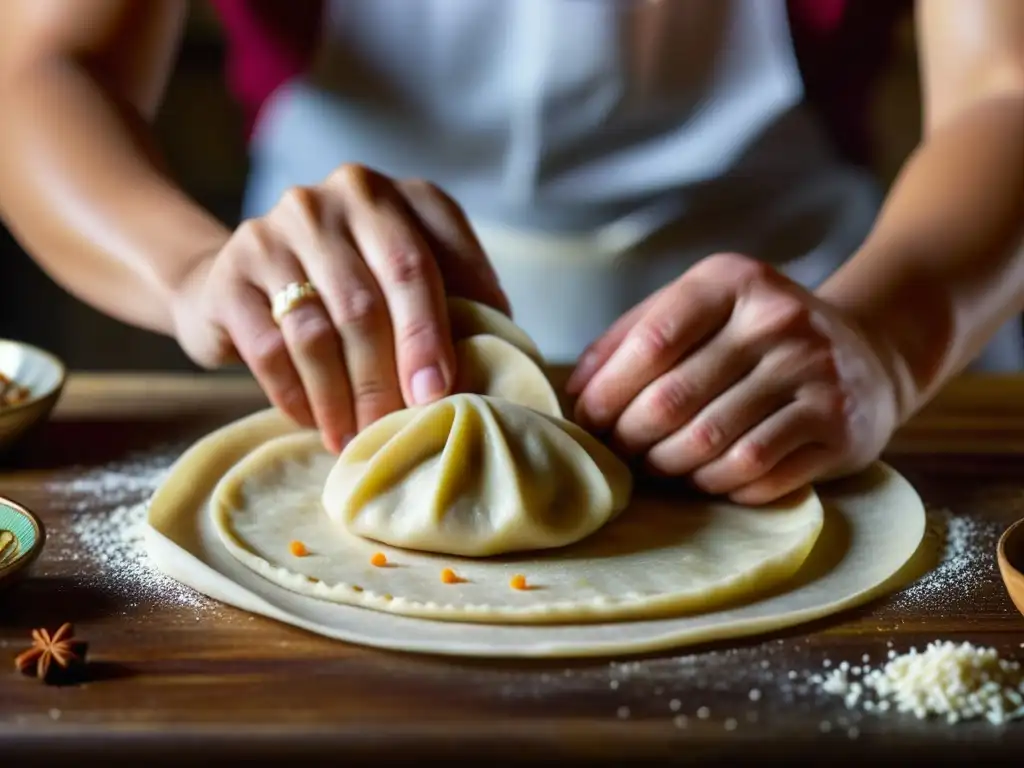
599,146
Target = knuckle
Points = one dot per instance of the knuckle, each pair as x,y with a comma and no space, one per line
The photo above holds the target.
420,188
783,314
358,307
251,234
404,266
292,396
829,408
706,436
311,332
266,349
736,267
750,458
669,398
257,245
353,178
373,396
299,200
420,337
748,270
369,389
296,195
652,341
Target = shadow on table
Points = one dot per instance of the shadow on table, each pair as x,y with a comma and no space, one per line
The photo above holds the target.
61,444
32,603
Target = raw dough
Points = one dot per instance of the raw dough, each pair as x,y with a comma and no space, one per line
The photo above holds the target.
489,365
470,318
874,525
468,475
661,556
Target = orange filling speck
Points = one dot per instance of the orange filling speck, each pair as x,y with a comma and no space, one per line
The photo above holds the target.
379,559
298,549
518,581
448,576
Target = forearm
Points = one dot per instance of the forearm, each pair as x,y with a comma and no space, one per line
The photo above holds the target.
82,189
944,266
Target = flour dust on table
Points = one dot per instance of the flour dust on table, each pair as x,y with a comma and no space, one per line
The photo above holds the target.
102,532
965,544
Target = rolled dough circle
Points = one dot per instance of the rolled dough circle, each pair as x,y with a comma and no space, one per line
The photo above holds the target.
873,526
660,556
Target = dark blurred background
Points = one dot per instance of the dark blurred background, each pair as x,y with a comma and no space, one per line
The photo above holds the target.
201,130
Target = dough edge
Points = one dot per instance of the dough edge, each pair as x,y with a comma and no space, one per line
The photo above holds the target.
767,574
180,547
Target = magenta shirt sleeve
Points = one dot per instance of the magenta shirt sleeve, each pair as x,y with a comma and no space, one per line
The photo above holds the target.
268,42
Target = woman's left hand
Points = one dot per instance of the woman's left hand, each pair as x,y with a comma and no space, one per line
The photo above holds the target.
740,379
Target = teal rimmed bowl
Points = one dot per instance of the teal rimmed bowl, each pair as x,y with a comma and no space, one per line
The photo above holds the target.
21,540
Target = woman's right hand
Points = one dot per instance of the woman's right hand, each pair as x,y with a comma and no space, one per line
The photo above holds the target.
383,255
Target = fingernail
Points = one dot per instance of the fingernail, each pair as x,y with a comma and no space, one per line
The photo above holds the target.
427,385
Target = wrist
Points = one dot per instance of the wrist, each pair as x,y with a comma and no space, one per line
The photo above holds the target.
908,322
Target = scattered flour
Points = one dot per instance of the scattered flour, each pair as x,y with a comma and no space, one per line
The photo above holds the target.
759,678
105,511
965,563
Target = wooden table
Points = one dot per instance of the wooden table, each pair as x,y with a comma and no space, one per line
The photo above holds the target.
208,684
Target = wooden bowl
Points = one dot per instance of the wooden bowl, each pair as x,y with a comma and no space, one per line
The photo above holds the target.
43,374
1010,553
22,537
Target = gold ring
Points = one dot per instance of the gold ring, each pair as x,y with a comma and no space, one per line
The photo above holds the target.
289,297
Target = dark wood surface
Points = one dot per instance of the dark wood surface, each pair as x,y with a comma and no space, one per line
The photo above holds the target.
211,685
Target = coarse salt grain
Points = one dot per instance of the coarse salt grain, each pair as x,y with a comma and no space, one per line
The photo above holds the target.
959,682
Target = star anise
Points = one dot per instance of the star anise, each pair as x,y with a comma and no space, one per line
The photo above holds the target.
52,657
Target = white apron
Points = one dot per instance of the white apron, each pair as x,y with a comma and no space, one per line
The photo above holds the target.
600,147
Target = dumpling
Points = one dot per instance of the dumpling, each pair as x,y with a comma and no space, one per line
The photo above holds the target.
470,318
489,365
475,476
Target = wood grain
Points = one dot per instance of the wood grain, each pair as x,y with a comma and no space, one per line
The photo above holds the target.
211,685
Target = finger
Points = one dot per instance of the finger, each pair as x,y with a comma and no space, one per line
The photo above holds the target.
797,470
759,450
262,347
466,270
353,302
411,283
597,354
679,320
314,348
715,384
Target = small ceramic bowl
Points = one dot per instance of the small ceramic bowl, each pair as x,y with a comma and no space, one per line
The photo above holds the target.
44,376
1010,553
22,537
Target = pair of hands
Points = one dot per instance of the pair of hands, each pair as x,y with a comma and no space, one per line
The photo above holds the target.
732,375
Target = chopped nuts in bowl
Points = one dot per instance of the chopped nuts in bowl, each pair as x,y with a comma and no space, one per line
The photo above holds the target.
31,382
